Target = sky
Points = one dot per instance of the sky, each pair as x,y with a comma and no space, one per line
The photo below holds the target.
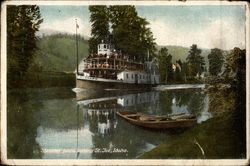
207,26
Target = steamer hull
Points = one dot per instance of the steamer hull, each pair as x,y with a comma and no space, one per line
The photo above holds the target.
92,84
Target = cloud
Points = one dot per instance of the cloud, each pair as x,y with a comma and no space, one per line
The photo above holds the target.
222,34
67,26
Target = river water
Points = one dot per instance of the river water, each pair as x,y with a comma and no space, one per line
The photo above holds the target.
68,123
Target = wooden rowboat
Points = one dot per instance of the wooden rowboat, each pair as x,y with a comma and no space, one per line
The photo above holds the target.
157,122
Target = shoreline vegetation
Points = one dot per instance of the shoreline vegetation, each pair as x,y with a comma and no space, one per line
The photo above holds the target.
44,80
227,127
227,103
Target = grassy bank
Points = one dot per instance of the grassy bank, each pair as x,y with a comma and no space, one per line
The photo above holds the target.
43,80
221,137
217,138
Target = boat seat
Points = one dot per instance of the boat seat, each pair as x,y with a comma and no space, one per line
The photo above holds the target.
132,116
146,118
154,118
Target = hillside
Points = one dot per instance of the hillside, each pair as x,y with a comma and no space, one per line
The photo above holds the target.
58,53
179,52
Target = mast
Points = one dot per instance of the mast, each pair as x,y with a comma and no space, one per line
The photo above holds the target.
148,54
77,48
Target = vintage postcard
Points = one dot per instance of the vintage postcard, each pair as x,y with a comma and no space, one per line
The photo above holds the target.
124,83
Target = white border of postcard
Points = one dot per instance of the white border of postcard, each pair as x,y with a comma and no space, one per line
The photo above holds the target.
4,159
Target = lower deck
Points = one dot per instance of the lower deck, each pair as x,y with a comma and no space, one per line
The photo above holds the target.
97,83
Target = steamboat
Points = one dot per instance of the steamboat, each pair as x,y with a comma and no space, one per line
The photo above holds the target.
109,69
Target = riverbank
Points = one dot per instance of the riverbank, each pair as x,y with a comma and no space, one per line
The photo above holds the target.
201,142
221,137
42,80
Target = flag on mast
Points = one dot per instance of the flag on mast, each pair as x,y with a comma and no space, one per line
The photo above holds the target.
77,26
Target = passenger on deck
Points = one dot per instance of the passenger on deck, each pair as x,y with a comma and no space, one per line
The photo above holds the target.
98,65
106,64
113,56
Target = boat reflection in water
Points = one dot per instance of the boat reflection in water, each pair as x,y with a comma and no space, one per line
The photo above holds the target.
111,138
92,130
102,110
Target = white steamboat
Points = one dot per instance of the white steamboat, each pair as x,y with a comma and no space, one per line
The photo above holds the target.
109,69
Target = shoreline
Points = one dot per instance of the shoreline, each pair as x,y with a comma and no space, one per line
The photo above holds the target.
227,127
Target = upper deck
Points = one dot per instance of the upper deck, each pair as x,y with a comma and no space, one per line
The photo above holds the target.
113,62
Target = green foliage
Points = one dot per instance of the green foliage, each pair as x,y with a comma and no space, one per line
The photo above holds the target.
235,62
131,33
53,60
235,76
217,137
179,57
179,73
232,84
195,61
22,24
165,66
182,72
100,26
181,53
216,60
58,52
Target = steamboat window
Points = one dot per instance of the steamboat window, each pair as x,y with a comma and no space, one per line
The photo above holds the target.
104,45
132,76
127,75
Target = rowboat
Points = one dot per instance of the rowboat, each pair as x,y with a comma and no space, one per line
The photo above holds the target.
158,122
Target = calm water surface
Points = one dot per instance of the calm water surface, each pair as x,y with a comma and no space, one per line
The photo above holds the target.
57,123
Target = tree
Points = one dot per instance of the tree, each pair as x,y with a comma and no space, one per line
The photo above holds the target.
185,70
165,65
235,62
195,61
178,74
22,24
130,32
216,60
99,18
235,75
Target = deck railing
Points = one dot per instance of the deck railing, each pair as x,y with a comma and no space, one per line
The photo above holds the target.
108,66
